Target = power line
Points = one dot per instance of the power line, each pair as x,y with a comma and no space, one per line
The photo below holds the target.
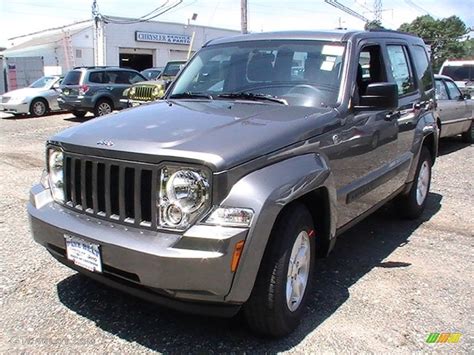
147,17
347,10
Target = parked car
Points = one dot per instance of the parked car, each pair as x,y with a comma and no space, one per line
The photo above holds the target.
152,90
96,89
462,72
222,196
152,73
456,110
37,99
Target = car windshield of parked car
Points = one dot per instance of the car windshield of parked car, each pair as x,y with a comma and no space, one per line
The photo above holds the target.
459,73
151,74
300,73
44,82
172,69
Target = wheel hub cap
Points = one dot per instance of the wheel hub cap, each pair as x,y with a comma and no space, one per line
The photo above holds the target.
422,183
104,109
39,108
298,271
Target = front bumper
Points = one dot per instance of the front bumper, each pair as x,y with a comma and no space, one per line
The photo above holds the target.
21,108
190,272
127,103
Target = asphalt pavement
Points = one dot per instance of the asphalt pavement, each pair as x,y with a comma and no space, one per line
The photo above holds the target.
388,284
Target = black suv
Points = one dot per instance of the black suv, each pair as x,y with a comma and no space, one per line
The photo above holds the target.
96,89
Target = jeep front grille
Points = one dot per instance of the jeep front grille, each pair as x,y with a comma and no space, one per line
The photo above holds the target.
143,93
111,189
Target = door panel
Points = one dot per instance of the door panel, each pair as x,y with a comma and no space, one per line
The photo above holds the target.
363,150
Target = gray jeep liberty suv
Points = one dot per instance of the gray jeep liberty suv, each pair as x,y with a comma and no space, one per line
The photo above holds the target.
265,148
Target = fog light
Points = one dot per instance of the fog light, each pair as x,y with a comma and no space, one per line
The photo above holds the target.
231,217
174,214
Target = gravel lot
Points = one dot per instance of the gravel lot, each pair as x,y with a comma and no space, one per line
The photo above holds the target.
386,286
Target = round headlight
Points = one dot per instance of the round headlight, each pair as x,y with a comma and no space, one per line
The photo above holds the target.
132,91
187,189
156,91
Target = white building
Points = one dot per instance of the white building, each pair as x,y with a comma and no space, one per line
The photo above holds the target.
123,42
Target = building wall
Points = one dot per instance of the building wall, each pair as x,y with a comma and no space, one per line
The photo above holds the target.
121,38
2,75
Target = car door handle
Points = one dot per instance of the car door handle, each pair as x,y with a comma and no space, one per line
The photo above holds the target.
392,116
109,87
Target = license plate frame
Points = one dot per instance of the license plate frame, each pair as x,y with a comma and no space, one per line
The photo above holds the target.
84,254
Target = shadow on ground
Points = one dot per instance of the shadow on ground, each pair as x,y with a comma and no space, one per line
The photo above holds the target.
451,145
357,252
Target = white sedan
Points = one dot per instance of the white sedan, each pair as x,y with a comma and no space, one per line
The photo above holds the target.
38,99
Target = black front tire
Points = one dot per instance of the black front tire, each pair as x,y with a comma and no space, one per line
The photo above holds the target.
409,205
79,114
468,136
267,311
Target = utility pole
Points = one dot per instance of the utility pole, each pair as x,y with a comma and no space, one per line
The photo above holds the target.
243,16
378,10
99,50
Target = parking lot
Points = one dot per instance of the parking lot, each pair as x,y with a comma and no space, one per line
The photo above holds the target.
388,284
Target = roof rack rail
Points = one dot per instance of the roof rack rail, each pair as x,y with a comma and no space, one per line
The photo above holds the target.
95,66
391,31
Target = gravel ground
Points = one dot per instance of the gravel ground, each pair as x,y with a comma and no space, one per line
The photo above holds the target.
386,286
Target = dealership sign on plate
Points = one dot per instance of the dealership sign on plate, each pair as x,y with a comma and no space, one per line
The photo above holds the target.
162,38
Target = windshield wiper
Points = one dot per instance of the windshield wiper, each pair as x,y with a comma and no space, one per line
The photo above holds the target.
251,96
191,95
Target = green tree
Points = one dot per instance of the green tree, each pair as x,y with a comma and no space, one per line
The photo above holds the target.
373,25
443,35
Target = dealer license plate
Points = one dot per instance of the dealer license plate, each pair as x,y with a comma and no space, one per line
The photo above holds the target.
83,253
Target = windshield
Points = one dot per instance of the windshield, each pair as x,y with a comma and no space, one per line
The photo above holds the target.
459,73
44,82
303,73
172,69
151,74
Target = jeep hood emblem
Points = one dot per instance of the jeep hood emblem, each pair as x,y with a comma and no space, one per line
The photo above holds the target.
106,143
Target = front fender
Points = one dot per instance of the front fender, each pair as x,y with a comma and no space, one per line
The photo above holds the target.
267,191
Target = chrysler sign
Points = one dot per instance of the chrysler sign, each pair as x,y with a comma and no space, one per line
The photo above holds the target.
162,38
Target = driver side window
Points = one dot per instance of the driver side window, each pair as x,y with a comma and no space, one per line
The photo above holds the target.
370,68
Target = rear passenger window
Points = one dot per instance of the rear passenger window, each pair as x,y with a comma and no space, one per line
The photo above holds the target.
422,67
401,69
97,77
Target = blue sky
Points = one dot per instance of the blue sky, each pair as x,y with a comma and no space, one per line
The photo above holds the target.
19,17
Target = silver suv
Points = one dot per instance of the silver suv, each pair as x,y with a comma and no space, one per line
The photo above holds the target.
96,89
223,195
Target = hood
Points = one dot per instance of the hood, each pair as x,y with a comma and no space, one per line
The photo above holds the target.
219,133
24,92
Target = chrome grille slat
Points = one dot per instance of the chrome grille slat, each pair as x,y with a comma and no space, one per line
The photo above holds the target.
108,209
121,188
83,185
115,190
95,199
137,195
73,182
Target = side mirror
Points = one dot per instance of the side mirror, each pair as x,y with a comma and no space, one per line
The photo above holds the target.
379,96
467,96
55,86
